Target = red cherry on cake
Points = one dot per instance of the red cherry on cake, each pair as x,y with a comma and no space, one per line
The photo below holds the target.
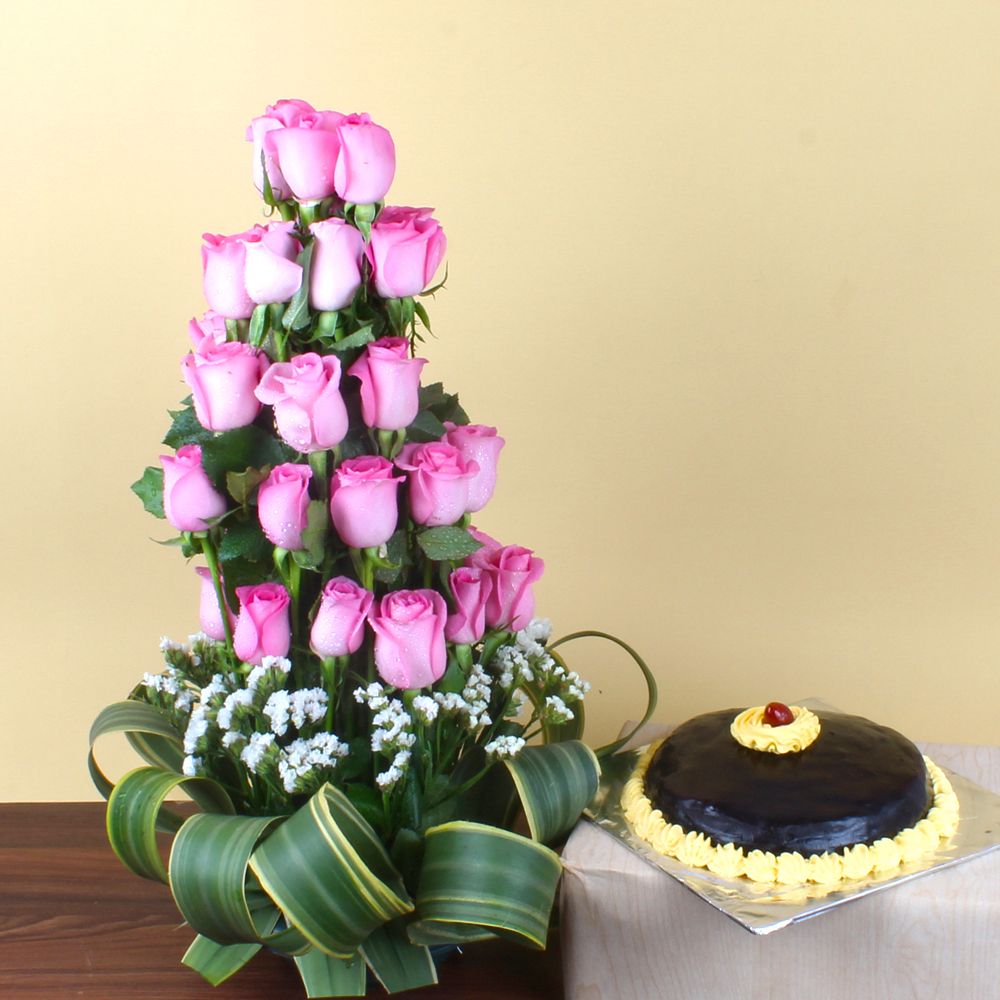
778,714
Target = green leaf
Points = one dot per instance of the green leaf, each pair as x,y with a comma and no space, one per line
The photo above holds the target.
425,427
326,976
421,312
395,961
149,489
327,870
240,449
479,880
241,485
314,536
651,690
447,543
133,809
244,540
366,800
444,405
351,342
297,314
185,428
215,963
397,555
555,783
259,325
208,871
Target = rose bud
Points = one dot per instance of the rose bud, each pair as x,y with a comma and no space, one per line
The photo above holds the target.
208,607
308,408
410,649
305,154
339,627
189,498
439,481
407,246
336,264
250,268
513,570
470,586
262,627
367,160
282,114
481,445
272,272
210,329
363,503
282,505
390,384
222,378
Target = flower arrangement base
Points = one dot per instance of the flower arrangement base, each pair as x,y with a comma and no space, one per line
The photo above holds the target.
370,705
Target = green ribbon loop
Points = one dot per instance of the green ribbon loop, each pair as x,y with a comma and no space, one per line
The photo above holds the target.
555,783
479,880
326,869
135,807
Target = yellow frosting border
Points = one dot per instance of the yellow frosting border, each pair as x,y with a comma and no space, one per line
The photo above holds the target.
751,731
789,868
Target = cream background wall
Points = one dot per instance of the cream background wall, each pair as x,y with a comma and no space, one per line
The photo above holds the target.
726,276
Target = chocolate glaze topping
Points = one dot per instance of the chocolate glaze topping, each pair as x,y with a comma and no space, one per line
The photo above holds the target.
856,783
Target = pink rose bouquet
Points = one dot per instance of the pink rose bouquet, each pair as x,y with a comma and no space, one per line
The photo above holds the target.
382,659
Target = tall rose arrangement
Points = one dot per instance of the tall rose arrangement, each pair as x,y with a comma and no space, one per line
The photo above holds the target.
369,660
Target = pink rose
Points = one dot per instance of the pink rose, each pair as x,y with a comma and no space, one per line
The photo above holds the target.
210,329
283,114
363,505
255,267
471,587
367,160
410,649
513,570
339,628
336,264
304,153
407,246
222,378
481,445
262,627
208,609
308,407
282,504
390,384
189,498
439,481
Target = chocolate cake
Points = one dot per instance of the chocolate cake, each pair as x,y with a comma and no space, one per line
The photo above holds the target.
780,794
856,783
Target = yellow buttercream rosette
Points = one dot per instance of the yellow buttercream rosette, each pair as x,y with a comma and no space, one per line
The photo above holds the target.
751,731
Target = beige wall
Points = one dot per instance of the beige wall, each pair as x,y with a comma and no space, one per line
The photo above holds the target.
726,275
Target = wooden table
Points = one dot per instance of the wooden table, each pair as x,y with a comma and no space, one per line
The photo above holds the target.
75,923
